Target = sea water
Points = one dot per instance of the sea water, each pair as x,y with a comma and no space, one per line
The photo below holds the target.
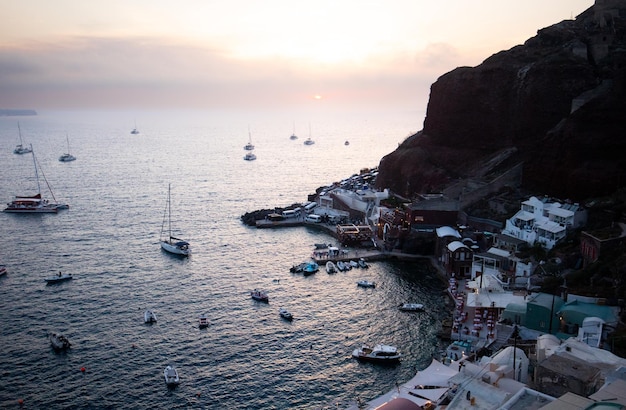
248,358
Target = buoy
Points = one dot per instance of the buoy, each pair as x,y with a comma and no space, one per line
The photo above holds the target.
133,346
20,402
198,394
82,369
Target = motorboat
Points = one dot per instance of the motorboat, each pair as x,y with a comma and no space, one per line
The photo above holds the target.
363,264
354,264
149,316
59,342
310,268
285,314
172,244
171,376
412,307
346,143
299,268
341,265
380,353
259,295
366,284
20,148
60,277
203,322
250,156
331,267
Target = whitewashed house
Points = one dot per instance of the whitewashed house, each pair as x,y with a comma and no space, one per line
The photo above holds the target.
544,222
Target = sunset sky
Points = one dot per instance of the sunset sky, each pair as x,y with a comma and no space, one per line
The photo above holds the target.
248,54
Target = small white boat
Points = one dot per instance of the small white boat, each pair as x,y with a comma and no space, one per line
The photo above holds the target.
412,307
363,264
285,314
250,156
366,284
203,322
149,317
259,295
331,267
341,265
379,353
171,376
61,277
59,342
354,264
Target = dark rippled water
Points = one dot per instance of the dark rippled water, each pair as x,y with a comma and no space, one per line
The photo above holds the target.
248,358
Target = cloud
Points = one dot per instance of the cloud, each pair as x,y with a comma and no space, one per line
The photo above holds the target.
156,72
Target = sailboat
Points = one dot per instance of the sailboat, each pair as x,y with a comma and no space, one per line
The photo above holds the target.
135,130
249,146
67,157
309,141
293,134
173,245
35,203
20,148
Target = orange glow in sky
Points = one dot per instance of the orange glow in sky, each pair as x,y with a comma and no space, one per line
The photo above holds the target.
200,53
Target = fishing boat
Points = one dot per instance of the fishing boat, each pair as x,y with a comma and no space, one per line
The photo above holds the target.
35,203
172,244
171,376
61,277
149,316
379,353
59,342
285,314
203,322
20,148
259,295
67,157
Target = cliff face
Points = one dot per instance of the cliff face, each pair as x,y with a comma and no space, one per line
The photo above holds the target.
556,103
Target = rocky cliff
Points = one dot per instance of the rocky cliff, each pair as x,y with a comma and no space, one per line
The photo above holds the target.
557,104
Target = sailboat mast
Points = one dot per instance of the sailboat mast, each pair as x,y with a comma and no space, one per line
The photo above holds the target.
169,207
36,173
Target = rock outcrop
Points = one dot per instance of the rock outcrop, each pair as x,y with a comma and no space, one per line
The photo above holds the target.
556,104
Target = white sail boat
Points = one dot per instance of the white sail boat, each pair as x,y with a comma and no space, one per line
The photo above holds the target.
293,134
173,245
67,157
249,146
309,141
35,203
20,148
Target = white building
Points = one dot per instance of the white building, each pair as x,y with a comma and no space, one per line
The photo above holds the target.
544,222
